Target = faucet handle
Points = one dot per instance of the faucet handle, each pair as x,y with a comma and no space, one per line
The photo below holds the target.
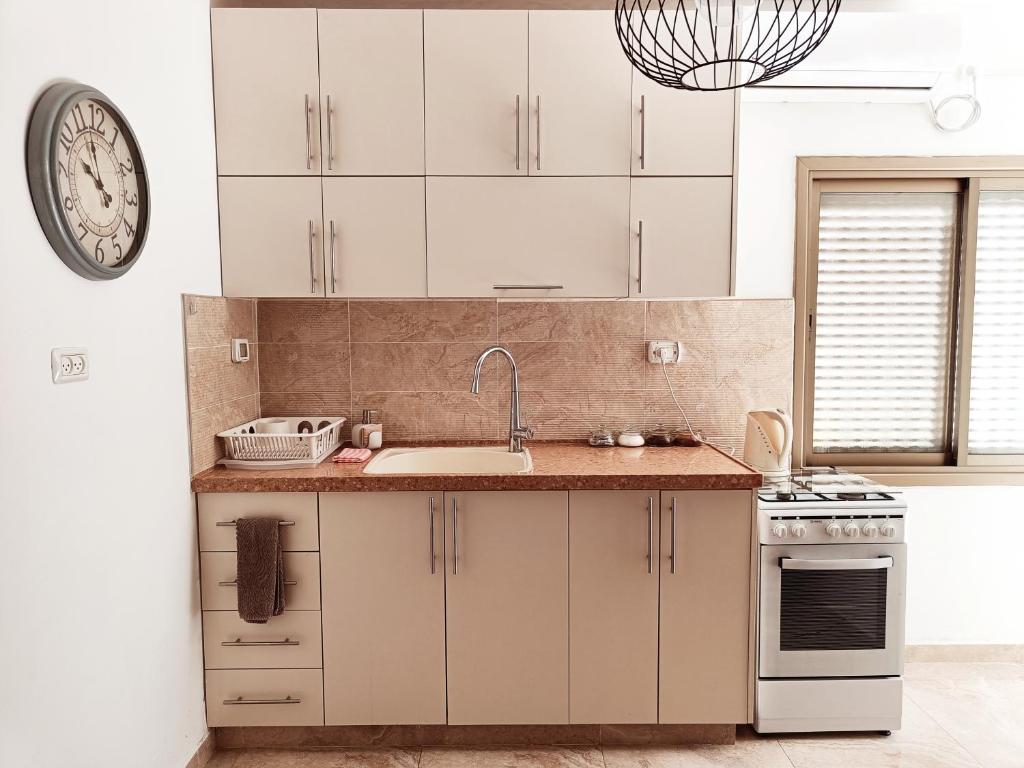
525,433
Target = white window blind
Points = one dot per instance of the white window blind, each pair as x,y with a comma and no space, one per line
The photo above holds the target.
883,322
997,361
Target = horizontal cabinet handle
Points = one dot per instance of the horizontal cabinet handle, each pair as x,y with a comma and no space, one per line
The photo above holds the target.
232,523
528,287
240,643
234,583
286,700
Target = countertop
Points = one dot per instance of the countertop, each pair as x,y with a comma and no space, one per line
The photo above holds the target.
557,466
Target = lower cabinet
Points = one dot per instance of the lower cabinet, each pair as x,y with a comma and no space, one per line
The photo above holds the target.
704,670
384,619
507,607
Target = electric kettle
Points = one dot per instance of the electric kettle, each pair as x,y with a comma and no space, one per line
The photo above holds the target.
768,446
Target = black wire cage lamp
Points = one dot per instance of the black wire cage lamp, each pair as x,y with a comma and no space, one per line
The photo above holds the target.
715,45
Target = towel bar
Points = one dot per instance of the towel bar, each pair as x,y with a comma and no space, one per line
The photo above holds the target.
231,523
240,643
286,700
234,583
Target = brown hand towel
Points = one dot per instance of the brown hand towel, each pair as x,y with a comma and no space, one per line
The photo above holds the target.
260,569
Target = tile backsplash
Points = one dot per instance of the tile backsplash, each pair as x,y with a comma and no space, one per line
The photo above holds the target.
581,363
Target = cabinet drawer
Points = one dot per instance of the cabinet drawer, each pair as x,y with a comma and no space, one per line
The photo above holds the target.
301,567
291,640
298,508
264,689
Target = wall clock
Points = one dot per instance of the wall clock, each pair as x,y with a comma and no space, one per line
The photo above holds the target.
87,180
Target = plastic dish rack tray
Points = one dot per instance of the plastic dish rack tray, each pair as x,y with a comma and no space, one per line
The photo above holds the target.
308,441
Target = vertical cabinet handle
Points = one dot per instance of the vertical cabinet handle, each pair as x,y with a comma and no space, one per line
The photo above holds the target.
538,133
330,136
650,534
672,555
312,262
308,112
433,558
643,131
517,132
455,536
334,280
640,257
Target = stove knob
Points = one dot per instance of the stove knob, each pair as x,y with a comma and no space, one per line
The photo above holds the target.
834,530
888,530
852,530
799,530
779,530
870,530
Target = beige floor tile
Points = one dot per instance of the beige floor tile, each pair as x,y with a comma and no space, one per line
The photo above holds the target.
326,758
921,743
749,751
537,757
224,758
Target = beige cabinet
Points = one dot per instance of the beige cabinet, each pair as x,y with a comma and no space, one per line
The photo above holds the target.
371,92
681,133
579,95
681,238
535,237
613,606
476,92
375,237
279,697
266,91
383,608
507,607
705,606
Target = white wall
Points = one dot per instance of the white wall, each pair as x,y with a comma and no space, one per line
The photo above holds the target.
964,580
100,651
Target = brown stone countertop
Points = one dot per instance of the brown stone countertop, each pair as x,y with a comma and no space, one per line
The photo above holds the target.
557,466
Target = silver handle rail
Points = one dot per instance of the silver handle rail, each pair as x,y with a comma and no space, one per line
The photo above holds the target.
852,564
650,534
455,536
538,133
526,287
673,550
234,583
309,141
643,131
231,523
640,257
312,262
240,643
330,135
334,281
285,700
433,555
518,140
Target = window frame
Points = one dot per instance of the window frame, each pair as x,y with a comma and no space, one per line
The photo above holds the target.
970,176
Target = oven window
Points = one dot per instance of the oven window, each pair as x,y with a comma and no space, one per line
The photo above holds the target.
833,610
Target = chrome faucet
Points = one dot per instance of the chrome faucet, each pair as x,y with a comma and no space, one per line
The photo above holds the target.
516,431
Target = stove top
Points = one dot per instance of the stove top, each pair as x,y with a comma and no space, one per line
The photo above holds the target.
827,485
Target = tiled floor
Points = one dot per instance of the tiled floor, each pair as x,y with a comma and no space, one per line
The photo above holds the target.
954,716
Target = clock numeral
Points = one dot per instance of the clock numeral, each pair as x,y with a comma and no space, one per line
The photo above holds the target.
129,229
61,168
132,199
68,204
97,112
98,251
85,231
127,167
79,116
117,134
66,137
119,254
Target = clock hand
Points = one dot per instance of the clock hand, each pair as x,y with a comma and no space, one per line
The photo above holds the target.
104,195
96,162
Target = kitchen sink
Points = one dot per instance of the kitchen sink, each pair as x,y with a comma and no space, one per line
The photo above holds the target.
474,460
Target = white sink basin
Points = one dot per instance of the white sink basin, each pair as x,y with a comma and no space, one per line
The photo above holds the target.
477,460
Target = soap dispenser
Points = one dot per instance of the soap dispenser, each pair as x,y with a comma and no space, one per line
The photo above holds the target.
369,432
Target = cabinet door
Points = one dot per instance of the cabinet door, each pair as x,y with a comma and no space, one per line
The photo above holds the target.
383,608
271,236
371,76
613,599
705,606
508,607
681,133
544,237
266,89
681,243
476,94
379,237
579,95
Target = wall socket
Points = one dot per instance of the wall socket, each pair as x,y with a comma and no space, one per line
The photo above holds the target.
69,364
665,351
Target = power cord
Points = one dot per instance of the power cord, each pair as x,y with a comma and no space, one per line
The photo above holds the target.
662,354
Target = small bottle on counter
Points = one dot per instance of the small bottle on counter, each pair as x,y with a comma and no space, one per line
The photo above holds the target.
660,436
368,433
631,437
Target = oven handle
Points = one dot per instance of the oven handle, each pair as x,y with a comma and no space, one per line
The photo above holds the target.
855,564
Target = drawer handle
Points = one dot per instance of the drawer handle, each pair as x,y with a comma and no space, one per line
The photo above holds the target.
240,643
234,583
285,700
232,523
504,287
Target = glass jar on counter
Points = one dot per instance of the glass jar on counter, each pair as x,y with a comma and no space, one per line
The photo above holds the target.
602,437
660,436
631,437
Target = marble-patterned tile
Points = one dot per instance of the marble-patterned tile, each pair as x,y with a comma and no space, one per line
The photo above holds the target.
570,320
224,758
207,448
590,366
419,367
212,321
327,758
525,757
563,415
429,320
433,415
755,752
302,321
213,378
306,404
921,743
304,367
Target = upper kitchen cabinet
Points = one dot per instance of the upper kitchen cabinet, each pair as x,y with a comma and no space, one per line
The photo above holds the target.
681,133
371,92
539,237
476,92
681,243
271,236
579,95
266,91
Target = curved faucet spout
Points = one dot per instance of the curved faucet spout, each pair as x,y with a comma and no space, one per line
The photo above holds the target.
516,431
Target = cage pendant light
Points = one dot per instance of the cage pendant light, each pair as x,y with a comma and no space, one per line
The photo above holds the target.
714,45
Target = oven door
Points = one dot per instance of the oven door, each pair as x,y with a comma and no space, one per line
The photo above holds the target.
833,610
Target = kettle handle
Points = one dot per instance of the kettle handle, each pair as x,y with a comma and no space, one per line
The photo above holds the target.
787,429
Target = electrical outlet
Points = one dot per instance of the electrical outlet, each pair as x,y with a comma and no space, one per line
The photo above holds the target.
68,364
665,351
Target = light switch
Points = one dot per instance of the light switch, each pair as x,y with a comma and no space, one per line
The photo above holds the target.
240,350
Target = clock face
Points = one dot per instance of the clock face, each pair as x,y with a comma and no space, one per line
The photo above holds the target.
88,181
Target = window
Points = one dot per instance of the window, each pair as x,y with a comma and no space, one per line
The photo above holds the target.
910,280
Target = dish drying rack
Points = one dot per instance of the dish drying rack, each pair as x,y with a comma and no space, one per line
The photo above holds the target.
307,441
